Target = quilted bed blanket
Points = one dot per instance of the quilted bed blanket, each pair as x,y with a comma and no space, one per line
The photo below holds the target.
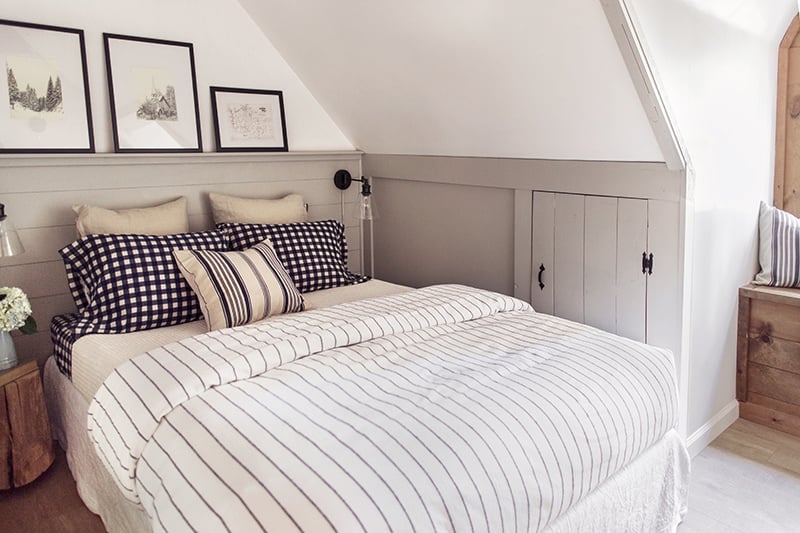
447,408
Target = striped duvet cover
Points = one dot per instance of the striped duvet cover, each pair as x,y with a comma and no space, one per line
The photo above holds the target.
447,408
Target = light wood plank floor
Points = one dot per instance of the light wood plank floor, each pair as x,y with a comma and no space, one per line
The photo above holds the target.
746,481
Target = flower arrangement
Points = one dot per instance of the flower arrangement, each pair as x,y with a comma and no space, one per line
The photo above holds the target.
15,311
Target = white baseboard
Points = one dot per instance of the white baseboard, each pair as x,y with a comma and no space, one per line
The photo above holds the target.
713,428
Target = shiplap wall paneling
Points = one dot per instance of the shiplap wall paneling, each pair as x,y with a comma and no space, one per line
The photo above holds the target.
631,284
600,262
39,193
543,273
568,257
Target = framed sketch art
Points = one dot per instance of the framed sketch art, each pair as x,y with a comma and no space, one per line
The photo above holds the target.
153,95
249,120
45,92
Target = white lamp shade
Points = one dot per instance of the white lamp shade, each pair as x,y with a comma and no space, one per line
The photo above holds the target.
10,244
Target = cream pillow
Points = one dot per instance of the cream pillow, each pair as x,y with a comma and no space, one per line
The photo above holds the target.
286,210
164,219
236,288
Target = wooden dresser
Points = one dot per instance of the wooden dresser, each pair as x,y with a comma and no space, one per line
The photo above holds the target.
768,357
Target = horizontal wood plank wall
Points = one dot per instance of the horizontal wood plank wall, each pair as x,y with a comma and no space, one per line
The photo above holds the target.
39,193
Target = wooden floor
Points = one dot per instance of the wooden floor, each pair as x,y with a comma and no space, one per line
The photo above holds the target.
746,481
49,505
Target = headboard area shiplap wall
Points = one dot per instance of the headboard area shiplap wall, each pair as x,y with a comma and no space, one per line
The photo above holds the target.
39,192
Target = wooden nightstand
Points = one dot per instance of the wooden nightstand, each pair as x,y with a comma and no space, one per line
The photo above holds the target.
26,445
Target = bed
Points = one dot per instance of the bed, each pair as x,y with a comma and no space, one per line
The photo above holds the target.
369,407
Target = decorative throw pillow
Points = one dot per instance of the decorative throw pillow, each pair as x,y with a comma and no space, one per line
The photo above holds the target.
314,253
236,288
162,219
779,248
125,283
291,208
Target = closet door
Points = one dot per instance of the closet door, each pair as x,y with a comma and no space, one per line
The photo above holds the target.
568,257
600,263
587,254
631,283
542,266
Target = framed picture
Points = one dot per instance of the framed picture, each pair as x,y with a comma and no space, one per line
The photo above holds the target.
153,93
248,120
45,90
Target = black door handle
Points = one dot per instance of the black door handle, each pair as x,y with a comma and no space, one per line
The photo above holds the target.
541,271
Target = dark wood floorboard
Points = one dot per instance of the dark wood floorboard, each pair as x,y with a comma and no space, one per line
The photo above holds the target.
50,504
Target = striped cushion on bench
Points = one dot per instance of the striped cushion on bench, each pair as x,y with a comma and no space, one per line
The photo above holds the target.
779,250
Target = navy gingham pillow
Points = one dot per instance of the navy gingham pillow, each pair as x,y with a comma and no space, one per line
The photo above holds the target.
314,253
123,283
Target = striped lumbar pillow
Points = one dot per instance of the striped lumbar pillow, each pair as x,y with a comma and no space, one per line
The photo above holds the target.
779,250
236,288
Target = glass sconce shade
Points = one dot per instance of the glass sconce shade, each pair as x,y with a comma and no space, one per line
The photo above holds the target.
10,244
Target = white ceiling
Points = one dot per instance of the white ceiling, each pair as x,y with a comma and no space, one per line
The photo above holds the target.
516,78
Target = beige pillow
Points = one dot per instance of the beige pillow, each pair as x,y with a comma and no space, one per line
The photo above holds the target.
236,288
286,210
164,219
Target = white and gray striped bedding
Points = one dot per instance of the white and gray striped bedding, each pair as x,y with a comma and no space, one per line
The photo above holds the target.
446,408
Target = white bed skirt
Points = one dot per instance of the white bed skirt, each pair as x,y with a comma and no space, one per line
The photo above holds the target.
650,494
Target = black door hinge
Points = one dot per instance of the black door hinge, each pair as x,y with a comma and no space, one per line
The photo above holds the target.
647,263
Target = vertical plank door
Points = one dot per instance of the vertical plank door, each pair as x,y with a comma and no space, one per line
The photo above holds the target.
542,273
631,283
568,256
600,263
663,297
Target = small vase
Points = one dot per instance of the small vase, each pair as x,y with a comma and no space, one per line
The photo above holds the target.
8,354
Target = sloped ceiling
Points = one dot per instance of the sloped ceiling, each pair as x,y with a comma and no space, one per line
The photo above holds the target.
518,78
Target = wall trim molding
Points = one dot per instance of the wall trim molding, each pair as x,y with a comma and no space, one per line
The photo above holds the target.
627,179
633,49
713,428
205,158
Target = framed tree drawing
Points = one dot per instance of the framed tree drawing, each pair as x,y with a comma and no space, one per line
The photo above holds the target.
45,90
153,94
249,120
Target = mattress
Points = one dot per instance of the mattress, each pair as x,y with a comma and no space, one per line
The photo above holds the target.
95,356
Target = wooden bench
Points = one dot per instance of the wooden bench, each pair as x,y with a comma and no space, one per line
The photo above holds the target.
768,357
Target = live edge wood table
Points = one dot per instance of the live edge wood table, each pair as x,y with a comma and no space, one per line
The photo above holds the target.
26,444
768,357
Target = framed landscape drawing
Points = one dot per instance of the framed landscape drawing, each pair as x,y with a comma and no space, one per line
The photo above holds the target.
153,93
248,120
45,90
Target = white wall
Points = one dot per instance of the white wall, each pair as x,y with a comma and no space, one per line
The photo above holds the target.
717,61
519,78
230,50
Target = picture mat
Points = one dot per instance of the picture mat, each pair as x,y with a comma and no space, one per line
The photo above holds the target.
129,58
71,130
228,135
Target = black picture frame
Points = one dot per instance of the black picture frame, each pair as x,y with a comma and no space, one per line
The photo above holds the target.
160,123
249,120
60,121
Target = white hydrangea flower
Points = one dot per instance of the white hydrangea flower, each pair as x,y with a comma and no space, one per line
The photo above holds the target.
14,308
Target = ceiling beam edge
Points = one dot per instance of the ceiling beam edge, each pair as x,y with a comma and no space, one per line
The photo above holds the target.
624,26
